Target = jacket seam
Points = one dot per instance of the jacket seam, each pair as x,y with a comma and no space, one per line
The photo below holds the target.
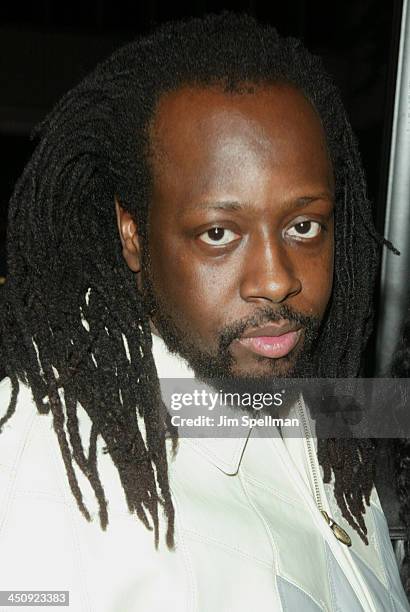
334,604
238,551
62,479
386,582
380,549
278,494
13,471
41,495
274,550
192,602
274,565
230,468
321,605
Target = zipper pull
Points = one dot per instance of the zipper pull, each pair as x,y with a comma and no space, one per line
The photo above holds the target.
339,533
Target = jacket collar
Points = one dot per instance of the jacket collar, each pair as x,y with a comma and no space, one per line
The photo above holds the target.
224,453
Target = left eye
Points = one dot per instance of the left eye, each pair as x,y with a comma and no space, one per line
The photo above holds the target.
218,236
305,229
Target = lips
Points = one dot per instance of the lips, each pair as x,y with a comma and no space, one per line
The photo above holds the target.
272,330
272,341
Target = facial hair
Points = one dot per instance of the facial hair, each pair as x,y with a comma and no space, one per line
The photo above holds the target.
216,368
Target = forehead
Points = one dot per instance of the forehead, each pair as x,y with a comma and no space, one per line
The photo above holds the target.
203,135
201,111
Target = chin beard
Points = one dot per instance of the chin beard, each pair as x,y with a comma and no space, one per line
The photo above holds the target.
216,368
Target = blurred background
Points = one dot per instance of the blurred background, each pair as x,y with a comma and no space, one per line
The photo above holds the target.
48,47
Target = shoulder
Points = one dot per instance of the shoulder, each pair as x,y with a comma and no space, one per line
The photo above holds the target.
16,420
24,396
5,394
25,459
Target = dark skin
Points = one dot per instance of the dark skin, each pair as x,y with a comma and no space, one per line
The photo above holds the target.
256,166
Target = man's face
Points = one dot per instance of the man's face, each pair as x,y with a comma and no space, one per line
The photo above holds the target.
240,238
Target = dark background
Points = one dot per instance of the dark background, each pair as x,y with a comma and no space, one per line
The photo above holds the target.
48,47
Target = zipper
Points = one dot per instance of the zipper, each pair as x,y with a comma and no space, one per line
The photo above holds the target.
338,531
356,580
315,499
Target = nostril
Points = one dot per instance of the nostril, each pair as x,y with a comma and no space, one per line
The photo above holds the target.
274,288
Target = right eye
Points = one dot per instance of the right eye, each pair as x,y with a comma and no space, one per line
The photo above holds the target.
218,236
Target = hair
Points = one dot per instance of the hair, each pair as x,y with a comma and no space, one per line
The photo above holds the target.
400,453
73,324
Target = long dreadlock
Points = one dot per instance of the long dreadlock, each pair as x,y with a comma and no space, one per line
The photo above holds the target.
72,319
400,453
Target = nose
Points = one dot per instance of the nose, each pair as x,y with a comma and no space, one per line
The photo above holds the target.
268,274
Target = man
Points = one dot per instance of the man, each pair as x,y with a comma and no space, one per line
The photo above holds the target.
195,207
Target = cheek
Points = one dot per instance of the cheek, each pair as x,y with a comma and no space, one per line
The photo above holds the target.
196,290
325,282
189,289
317,282
325,287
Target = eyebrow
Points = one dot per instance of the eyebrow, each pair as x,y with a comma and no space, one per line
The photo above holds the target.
228,205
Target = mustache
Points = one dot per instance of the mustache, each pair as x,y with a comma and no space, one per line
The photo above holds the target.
266,315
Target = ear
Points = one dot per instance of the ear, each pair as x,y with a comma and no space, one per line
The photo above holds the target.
128,231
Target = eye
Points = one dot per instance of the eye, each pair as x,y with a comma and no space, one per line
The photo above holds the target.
218,236
305,230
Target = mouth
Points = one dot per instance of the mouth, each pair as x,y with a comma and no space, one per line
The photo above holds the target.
271,341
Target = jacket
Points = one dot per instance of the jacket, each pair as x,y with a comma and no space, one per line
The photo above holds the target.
249,533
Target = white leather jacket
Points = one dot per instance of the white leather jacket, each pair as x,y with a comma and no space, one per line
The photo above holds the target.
248,530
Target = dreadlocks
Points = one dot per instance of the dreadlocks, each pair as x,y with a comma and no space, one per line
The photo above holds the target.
73,324
399,448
